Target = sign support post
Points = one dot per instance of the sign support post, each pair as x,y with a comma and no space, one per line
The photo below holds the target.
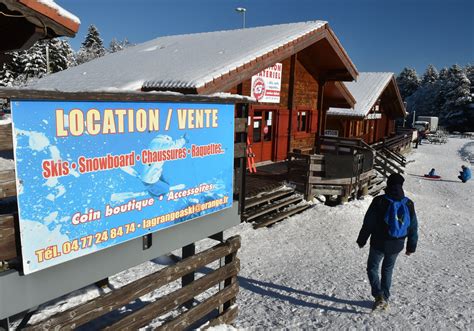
188,251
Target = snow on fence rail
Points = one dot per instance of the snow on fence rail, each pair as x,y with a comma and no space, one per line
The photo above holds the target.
221,303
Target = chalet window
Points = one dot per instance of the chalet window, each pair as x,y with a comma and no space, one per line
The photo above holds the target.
302,121
257,127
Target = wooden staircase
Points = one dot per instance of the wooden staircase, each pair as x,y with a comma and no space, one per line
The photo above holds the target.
267,208
376,184
386,162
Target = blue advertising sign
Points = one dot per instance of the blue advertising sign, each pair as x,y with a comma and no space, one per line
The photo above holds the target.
91,175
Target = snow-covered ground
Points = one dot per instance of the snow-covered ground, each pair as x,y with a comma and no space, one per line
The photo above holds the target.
308,272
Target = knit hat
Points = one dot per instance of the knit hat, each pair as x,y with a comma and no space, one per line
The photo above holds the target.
395,179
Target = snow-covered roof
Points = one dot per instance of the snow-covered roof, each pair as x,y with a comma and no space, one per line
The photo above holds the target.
177,62
47,13
366,90
60,11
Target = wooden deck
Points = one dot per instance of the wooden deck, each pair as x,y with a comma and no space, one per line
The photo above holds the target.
268,178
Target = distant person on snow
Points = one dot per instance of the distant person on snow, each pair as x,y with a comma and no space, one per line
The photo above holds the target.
465,174
389,220
432,173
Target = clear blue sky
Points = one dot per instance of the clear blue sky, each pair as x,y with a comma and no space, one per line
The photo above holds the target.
379,35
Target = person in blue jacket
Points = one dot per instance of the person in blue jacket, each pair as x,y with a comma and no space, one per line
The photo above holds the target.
465,174
432,173
383,247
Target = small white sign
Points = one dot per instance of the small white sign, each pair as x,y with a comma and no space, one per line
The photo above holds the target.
266,85
331,133
374,116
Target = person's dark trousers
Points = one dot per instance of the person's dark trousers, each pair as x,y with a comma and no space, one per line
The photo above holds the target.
380,286
462,180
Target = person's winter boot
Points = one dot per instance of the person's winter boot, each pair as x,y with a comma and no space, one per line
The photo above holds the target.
379,302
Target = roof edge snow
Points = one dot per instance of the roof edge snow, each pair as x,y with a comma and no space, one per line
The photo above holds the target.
366,90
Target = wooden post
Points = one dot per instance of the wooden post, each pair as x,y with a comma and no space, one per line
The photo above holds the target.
344,198
291,91
319,106
229,281
365,190
241,137
102,283
188,251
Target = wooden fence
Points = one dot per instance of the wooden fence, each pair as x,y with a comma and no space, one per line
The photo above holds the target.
221,304
347,166
341,175
399,143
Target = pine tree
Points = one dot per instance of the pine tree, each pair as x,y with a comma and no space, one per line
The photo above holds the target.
9,69
443,74
408,82
116,45
61,55
456,90
470,75
430,76
424,100
16,62
92,46
440,93
7,75
33,62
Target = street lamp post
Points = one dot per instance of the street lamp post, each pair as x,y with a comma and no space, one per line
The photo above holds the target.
241,10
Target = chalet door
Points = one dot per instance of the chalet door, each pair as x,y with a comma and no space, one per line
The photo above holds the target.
262,129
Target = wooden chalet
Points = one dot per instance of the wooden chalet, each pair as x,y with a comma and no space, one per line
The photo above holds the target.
378,105
360,146
33,20
311,63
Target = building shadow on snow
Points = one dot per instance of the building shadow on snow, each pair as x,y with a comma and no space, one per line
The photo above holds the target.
274,290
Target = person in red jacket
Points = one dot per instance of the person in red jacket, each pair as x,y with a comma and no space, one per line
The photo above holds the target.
386,242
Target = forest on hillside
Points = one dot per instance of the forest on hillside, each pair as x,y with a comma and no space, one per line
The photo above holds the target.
447,94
